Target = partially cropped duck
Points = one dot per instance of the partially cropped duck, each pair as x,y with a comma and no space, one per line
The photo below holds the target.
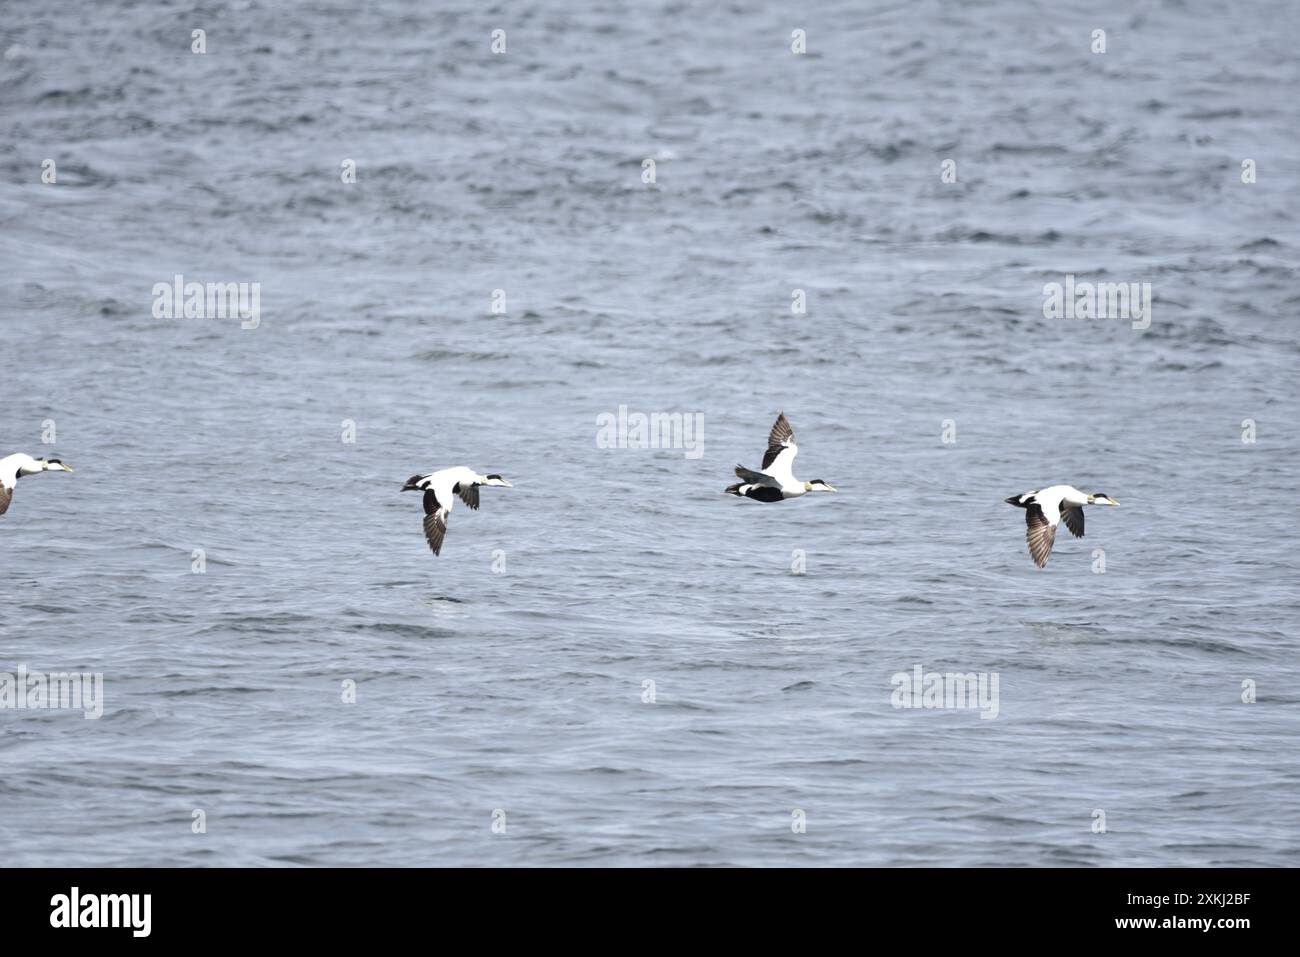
776,481
440,489
13,467
1047,508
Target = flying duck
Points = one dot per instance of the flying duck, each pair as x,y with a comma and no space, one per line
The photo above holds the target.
439,489
776,481
12,467
1047,508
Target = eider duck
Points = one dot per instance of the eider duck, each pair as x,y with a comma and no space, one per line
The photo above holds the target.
1048,507
439,488
12,467
776,481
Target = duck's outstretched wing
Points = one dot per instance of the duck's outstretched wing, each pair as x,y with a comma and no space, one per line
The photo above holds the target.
1072,516
1039,534
6,496
468,494
781,450
435,521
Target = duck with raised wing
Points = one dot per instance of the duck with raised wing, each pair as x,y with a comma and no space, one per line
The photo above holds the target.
775,482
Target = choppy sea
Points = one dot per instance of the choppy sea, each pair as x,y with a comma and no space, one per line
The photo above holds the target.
613,663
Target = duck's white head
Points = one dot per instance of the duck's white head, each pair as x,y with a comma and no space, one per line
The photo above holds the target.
32,466
1100,498
496,480
817,485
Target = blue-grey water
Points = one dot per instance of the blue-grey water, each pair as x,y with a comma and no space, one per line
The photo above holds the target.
510,673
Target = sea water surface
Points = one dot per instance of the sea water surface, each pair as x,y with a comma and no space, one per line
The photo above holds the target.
613,661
